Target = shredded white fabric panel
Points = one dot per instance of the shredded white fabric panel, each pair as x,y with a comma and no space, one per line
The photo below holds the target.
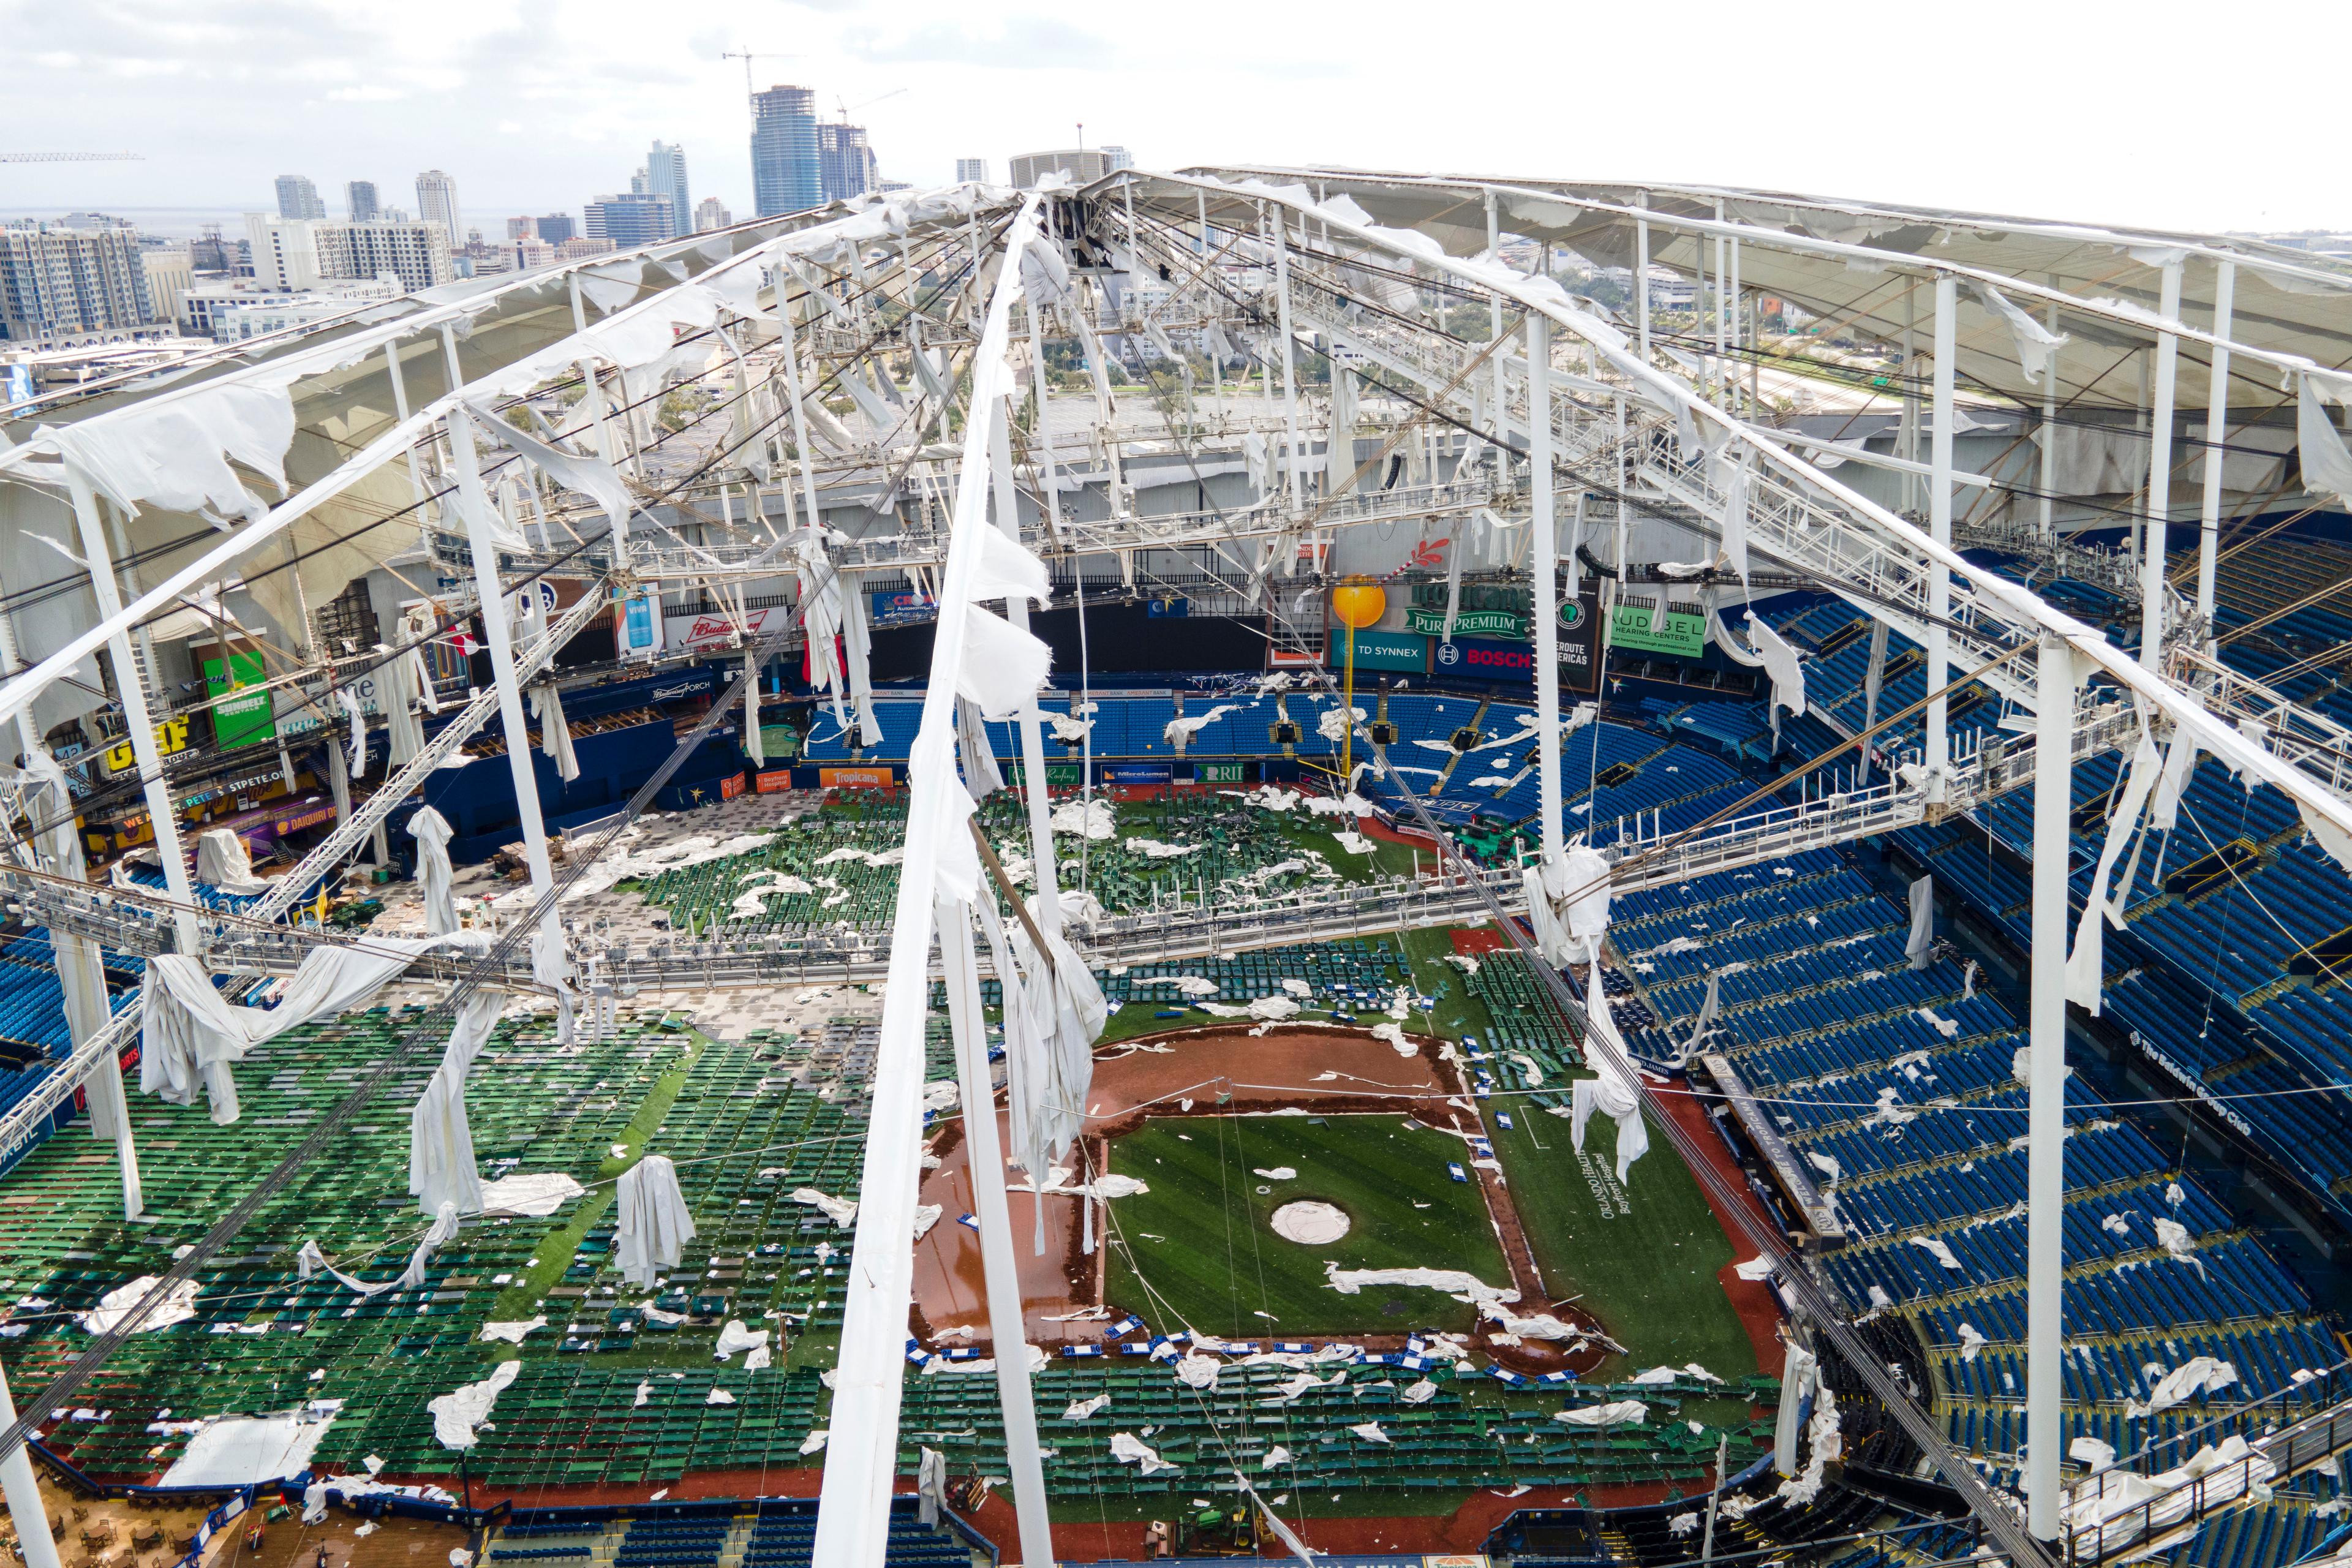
432,832
2086,960
554,730
189,1033
2037,345
458,1414
222,860
1783,663
655,1226
1923,923
2327,465
174,452
441,1166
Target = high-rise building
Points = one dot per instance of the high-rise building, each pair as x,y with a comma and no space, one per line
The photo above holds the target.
1116,157
1081,163
298,198
971,169
170,271
436,202
523,228
845,161
416,253
61,287
786,177
557,227
708,214
285,251
666,176
580,248
360,196
638,217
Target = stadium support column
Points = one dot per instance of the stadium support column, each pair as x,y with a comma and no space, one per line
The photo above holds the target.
79,972
1495,321
2045,1175
1640,274
999,1276
1033,742
2159,475
2049,469
1544,542
130,678
2217,430
1289,352
1940,523
476,505
26,1508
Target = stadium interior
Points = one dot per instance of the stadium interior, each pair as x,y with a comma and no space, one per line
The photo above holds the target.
1633,877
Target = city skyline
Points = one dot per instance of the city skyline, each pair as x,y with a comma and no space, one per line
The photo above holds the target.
531,110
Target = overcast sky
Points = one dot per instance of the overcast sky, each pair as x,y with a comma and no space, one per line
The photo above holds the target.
2226,120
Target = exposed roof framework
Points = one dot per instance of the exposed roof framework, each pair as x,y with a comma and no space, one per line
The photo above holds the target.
364,433
1857,265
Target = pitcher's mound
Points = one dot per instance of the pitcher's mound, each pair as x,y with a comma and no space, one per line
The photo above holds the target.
1310,1223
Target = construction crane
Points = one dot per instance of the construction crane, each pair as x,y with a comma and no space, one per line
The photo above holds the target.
845,109
747,56
72,157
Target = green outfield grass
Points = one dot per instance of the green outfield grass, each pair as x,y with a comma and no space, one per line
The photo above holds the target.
1209,1260
1648,1274
1647,1267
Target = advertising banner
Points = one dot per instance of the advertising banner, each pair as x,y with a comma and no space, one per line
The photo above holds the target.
703,634
854,778
900,604
1407,652
1658,628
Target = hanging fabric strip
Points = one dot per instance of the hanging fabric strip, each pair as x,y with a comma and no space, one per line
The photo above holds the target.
350,703
432,832
2037,345
554,730
859,644
441,1167
404,731
754,743
2327,465
654,1225
1923,923
981,776
1732,480
2086,963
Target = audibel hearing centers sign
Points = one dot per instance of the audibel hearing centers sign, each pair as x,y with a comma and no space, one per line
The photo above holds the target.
1658,628
1375,649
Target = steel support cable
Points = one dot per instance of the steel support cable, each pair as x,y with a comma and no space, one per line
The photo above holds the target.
488,969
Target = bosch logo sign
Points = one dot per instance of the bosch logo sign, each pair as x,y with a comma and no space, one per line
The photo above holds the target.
1448,655
1500,659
